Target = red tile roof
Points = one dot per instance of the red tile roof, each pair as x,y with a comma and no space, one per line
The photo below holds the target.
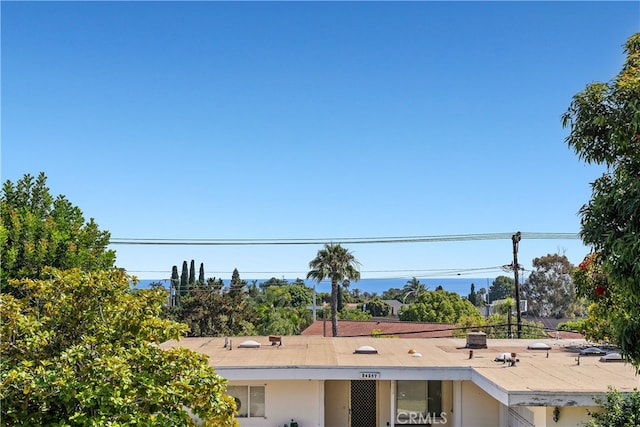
358,328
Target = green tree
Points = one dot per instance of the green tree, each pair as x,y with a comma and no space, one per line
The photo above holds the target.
593,284
393,293
473,297
617,410
184,279
192,272
38,230
281,310
496,326
80,349
377,308
209,312
549,290
335,263
501,288
604,122
354,314
174,289
439,306
237,285
201,278
413,288
274,281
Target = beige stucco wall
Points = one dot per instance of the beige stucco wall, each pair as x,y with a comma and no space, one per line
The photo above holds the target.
384,403
478,408
284,400
570,416
336,402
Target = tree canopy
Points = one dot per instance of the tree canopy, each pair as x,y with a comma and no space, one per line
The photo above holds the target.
38,230
617,410
80,349
439,306
549,289
501,288
604,122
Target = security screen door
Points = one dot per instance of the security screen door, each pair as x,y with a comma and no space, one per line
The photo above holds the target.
363,403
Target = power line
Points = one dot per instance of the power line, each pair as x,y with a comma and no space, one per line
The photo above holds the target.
339,240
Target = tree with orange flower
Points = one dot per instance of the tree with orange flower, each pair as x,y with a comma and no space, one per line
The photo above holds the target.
604,122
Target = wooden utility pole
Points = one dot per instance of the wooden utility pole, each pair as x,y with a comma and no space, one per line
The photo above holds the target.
516,239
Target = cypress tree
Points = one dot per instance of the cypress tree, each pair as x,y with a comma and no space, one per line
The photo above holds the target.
201,275
175,281
472,297
236,285
184,277
192,273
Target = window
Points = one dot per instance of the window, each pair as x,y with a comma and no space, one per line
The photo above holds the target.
414,398
249,400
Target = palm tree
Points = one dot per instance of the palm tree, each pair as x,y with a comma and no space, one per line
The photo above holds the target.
413,287
337,264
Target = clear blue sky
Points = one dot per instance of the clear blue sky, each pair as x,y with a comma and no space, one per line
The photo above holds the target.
320,120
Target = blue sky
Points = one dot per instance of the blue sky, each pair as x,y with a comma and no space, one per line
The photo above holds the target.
242,120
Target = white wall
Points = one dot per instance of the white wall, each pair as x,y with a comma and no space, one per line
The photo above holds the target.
285,400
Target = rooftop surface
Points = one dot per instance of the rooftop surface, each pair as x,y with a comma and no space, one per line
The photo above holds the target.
559,372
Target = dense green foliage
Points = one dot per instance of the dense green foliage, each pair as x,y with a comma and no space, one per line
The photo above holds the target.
80,349
282,309
549,289
209,311
377,308
604,122
501,288
184,279
617,410
594,285
337,264
439,306
201,277
38,230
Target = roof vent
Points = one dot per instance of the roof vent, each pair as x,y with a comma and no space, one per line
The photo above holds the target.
249,344
476,340
366,349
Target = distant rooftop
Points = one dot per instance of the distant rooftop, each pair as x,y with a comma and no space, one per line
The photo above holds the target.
363,328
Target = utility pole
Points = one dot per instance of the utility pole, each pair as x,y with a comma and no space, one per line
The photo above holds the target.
516,239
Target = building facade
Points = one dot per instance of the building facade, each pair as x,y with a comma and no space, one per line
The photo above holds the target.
370,382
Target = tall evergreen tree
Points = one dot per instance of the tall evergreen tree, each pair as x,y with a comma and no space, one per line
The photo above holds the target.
175,283
237,284
192,273
184,278
201,275
473,297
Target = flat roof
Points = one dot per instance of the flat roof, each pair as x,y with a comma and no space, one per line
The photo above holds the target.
317,357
